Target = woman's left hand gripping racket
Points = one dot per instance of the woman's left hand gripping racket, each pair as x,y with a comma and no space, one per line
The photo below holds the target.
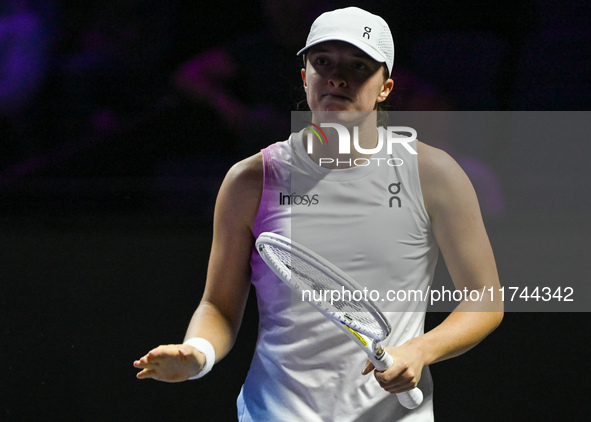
304,270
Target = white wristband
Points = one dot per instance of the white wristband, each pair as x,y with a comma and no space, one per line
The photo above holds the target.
206,348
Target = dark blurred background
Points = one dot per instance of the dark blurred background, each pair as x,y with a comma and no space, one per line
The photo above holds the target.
119,119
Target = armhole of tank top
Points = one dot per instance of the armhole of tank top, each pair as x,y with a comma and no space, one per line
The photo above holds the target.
416,179
267,162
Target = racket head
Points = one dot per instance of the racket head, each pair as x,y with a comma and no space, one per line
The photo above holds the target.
304,270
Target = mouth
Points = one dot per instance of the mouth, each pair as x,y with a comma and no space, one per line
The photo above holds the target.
337,97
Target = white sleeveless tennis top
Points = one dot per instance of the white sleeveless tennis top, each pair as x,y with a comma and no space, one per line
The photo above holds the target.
371,222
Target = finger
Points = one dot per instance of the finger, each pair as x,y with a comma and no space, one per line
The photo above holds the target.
184,352
389,375
145,365
142,360
399,385
160,351
400,382
368,367
158,354
145,374
399,389
147,358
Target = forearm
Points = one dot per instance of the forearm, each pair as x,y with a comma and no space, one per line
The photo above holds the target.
463,329
459,230
210,323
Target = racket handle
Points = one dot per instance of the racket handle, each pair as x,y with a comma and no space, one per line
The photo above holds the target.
409,399
384,362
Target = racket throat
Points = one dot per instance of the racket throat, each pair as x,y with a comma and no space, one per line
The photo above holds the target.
379,351
382,359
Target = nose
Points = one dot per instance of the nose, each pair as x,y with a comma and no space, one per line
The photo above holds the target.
336,78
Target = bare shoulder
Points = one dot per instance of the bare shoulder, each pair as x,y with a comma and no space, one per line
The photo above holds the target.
247,172
434,162
443,181
241,190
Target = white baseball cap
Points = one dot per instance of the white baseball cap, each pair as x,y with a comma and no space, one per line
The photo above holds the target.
366,31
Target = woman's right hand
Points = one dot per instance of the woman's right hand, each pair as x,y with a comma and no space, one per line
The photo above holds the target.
170,363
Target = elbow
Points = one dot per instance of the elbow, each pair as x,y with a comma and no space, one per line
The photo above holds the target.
499,318
496,317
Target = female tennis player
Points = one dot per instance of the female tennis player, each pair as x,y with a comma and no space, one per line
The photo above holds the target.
379,220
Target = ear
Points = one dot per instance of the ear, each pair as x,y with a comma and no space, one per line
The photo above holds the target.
304,78
386,89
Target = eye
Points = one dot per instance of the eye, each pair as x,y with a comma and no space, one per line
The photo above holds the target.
360,66
322,61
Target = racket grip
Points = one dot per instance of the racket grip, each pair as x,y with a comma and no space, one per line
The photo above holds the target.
384,362
409,399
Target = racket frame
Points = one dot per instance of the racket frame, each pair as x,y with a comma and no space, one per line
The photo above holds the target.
369,343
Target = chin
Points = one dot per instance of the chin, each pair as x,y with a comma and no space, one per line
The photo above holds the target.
343,116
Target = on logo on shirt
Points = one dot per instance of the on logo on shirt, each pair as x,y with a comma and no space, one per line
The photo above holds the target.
394,189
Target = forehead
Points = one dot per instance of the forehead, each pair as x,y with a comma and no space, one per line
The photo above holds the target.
339,47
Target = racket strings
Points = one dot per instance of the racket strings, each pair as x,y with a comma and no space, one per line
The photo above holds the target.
327,293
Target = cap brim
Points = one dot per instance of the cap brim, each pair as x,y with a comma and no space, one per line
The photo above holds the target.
367,49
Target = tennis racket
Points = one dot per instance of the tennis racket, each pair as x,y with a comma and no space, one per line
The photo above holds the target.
305,271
